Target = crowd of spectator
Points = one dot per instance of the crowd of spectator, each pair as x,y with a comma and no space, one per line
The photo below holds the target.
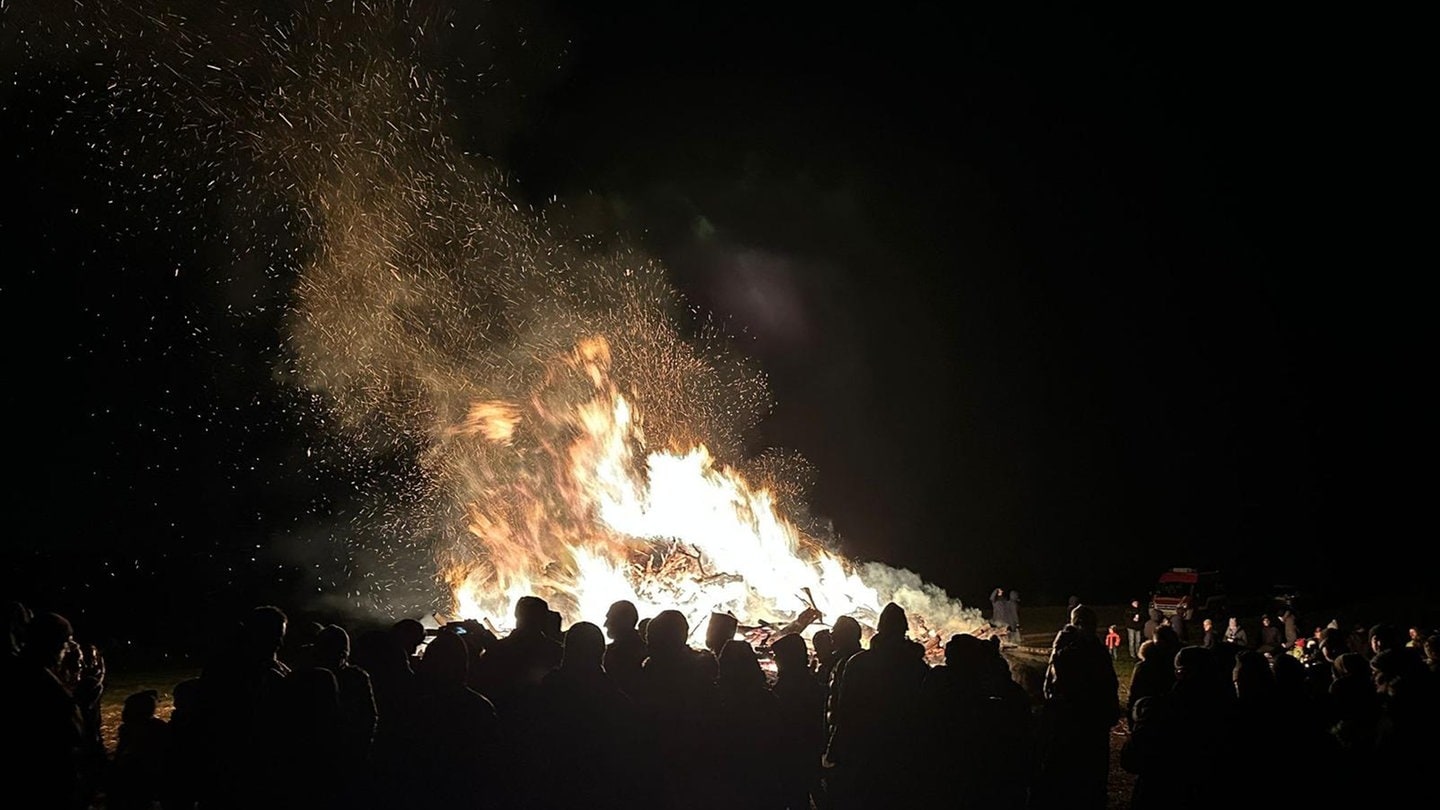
295,715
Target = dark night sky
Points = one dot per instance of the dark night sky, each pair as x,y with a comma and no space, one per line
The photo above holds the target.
1050,303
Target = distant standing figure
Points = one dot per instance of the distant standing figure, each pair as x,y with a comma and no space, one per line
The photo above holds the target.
1015,617
1005,615
1152,626
1135,628
1292,630
1270,639
1112,642
1207,637
1235,634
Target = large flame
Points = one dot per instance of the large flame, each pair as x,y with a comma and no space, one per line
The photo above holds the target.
663,528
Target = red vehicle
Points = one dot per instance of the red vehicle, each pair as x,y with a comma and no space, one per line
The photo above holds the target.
1201,590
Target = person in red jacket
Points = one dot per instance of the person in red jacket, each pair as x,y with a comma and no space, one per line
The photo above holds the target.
1112,642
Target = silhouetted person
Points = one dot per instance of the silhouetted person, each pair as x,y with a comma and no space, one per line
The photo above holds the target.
513,666
1410,714
143,745
1153,675
824,645
409,634
1302,740
240,704
1190,718
310,741
845,643
675,705
186,759
1081,705
1252,736
626,652
381,654
456,753
747,731
356,698
873,742
553,623
298,651
585,722
1353,709
40,723
1179,622
977,730
801,705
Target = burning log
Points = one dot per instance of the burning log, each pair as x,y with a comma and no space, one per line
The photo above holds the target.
807,617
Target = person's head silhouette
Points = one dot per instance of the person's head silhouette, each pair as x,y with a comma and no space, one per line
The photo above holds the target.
531,614
846,635
667,632
446,661
790,654
621,616
892,621
332,646
47,637
584,647
409,634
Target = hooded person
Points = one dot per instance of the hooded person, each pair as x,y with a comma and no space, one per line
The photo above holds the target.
800,702
1082,703
873,740
844,645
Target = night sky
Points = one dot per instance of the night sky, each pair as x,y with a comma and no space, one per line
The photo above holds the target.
1049,303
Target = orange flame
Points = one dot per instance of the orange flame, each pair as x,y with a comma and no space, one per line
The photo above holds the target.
594,517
